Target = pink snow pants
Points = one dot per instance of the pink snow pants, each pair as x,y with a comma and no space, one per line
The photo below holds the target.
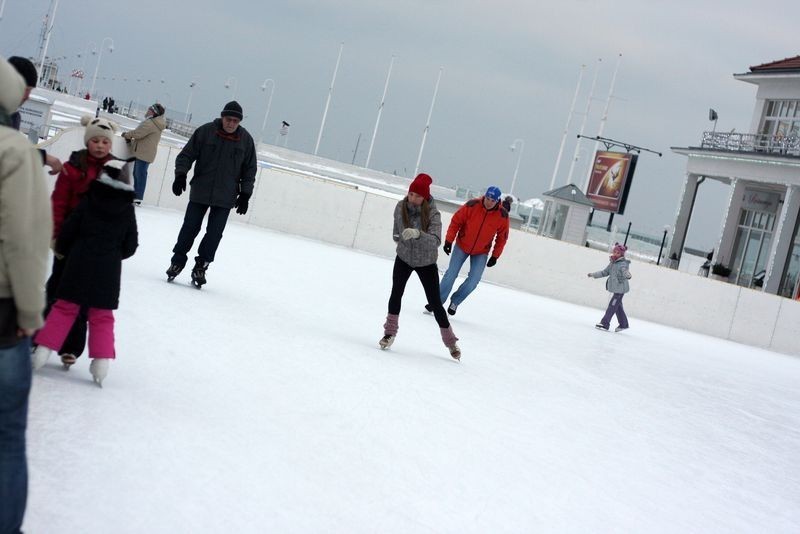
60,319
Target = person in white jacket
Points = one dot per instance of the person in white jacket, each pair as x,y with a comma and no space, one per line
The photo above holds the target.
25,228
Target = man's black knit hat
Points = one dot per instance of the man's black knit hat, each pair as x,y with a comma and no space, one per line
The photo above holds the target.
26,69
232,109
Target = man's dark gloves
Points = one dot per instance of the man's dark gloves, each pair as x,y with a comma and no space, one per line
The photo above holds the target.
448,247
241,203
491,262
179,185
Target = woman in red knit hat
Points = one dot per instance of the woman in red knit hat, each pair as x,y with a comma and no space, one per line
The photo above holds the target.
418,233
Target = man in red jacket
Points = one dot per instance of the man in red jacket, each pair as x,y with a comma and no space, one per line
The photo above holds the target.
473,228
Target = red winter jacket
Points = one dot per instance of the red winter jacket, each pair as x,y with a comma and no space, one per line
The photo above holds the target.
473,228
72,183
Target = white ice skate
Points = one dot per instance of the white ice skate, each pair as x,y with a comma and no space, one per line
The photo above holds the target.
99,370
386,342
39,356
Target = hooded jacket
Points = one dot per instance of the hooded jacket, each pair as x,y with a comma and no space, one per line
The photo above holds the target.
97,236
618,273
473,228
25,220
145,138
423,250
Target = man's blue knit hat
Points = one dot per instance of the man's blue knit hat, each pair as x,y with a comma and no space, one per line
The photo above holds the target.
493,193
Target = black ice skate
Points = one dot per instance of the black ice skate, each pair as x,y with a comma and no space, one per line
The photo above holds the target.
67,360
452,308
173,271
199,273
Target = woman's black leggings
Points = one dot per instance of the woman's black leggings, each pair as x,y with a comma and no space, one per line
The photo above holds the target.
429,276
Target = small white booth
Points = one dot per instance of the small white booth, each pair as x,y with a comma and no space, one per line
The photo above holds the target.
565,214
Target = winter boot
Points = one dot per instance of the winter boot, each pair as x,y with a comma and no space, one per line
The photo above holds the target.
39,356
199,272
173,271
390,328
67,360
452,308
449,339
99,370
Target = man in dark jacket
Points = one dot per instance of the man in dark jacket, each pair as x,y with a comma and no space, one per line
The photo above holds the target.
224,158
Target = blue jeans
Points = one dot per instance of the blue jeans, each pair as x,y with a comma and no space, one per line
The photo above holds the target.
477,264
192,223
140,178
15,385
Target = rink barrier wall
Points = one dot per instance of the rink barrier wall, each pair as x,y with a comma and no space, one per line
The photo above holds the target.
299,204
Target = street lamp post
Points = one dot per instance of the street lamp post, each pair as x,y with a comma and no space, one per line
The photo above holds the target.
189,103
235,85
513,147
99,58
269,105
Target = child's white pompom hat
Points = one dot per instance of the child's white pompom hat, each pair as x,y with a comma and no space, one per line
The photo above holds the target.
98,127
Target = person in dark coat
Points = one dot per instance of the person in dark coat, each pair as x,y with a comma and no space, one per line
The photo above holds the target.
224,158
97,236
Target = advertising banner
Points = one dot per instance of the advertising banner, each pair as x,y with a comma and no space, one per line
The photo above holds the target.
612,173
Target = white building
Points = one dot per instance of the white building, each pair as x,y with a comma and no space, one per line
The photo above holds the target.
759,239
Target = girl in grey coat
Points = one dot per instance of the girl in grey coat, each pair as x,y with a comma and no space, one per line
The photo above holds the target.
618,273
418,233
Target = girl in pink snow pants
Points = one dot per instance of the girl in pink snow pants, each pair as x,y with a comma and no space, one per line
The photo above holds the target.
94,240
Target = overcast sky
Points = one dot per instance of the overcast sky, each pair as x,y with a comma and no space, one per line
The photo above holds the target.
510,71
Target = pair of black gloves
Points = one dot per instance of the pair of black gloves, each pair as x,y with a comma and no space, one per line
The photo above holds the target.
448,248
179,186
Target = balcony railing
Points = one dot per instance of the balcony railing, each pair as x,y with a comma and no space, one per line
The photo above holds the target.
779,145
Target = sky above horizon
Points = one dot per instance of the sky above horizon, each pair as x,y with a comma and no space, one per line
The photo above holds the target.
510,70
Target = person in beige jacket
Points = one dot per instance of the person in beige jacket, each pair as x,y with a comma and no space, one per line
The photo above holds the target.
144,140
25,228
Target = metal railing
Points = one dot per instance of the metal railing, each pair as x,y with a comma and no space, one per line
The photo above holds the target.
781,145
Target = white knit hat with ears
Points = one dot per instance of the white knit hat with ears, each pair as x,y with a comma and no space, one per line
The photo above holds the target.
98,127
12,87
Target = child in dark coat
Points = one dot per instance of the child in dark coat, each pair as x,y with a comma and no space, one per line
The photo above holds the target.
84,166
97,236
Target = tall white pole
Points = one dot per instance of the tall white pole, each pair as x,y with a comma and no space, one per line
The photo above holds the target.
269,105
380,110
428,122
519,158
51,17
583,124
99,58
328,101
2,8
602,123
566,128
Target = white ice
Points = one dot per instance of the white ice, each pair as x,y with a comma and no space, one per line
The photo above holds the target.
262,404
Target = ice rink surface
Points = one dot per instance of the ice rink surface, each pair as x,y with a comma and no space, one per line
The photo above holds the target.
261,403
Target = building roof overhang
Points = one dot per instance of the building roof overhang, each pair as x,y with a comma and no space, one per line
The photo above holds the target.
758,77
